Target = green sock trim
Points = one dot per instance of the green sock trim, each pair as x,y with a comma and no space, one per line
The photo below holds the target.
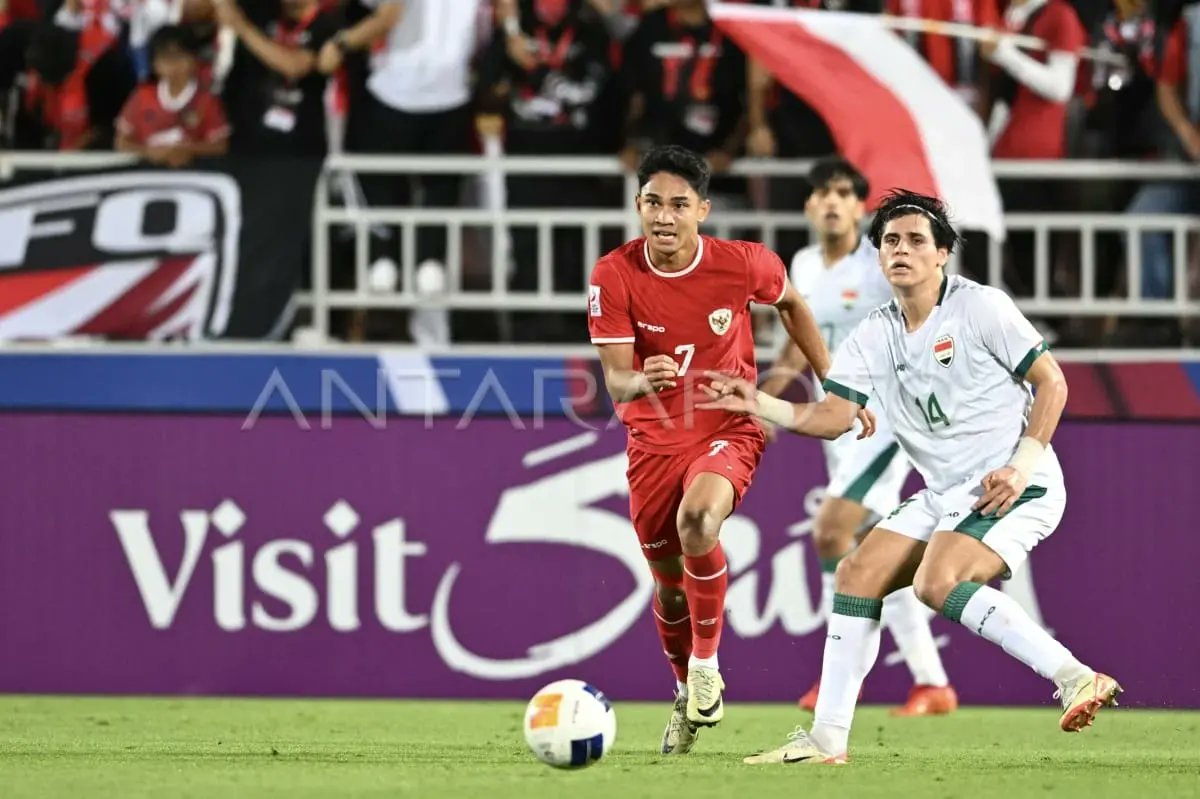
829,565
862,607
954,605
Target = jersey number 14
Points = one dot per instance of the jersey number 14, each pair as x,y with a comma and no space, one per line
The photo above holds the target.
932,411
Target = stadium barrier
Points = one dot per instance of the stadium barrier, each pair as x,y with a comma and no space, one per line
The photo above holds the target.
1099,249
489,226
261,521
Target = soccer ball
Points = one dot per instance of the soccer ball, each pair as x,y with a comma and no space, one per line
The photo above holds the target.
570,724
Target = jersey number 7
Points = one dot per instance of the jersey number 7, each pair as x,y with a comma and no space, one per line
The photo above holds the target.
687,350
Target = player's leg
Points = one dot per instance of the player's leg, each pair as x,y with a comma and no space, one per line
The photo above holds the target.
964,556
673,622
671,616
835,528
654,495
866,480
877,486
837,522
717,477
907,619
709,498
886,560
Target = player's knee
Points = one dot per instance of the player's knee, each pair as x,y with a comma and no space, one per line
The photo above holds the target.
932,586
851,576
673,600
698,529
831,535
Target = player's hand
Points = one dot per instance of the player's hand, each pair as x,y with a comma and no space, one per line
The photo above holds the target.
660,371
1001,489
728,393
868,423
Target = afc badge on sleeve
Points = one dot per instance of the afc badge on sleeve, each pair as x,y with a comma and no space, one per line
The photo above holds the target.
594,300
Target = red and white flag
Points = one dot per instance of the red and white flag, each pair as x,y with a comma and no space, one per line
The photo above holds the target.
891,115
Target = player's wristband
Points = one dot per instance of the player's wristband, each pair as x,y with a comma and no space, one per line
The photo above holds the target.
776,411
1029,452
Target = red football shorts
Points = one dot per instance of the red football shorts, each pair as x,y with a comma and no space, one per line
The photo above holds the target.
657,483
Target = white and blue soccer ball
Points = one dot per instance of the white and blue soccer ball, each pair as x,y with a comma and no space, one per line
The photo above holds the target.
570,724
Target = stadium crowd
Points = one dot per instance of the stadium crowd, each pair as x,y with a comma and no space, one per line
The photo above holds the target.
176,80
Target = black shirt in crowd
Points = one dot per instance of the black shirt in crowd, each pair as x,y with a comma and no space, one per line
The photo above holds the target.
692,80
270,114
556,104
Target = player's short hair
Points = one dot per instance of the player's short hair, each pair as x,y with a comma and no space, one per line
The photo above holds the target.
901,202
679,161
172,37
835,167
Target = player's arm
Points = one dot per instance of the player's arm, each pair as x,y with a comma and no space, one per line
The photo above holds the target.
789,365
624,383
769,285
1010,337
846,397
830,418
802,329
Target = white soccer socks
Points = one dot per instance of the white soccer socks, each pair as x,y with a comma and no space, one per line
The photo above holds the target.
851,646
997,617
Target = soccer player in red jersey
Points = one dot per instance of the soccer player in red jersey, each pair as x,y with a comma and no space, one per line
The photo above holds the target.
662,309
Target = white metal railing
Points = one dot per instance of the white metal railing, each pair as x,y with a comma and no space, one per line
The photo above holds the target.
495,222
763,225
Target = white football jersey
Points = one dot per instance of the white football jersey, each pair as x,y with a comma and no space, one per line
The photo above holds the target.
840,295
953,392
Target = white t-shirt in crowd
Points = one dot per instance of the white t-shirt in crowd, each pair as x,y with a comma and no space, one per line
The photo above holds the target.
426,65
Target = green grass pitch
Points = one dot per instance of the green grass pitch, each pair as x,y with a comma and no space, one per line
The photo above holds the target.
117,747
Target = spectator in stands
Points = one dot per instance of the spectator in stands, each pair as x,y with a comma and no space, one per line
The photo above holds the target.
173,120
1178,96
1030,92
620,17
274,93
78,79
1123,117
417,102
687,85
1032,89
544,85
956,58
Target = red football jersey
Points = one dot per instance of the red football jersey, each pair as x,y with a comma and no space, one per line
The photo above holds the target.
151,119
1037,127
700,316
